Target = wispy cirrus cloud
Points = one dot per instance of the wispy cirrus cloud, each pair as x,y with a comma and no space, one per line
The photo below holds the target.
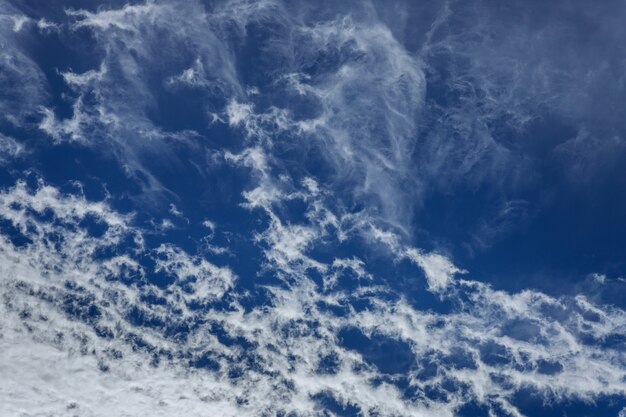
338,128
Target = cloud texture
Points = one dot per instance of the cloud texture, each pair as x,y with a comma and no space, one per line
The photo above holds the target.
222,207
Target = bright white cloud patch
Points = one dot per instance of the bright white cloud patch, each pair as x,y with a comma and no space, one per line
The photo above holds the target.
82,334
438,269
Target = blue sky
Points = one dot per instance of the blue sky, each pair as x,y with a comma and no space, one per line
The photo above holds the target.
373,208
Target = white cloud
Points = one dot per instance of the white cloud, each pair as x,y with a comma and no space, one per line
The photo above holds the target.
127,18
23,83
93,334
438,269
19,21
10,150
207,281
599,278
114,323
